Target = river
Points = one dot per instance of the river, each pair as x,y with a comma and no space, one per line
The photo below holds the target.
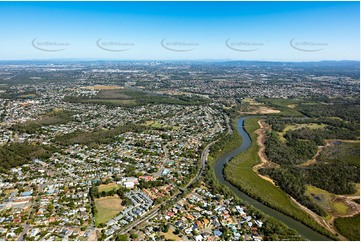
303,230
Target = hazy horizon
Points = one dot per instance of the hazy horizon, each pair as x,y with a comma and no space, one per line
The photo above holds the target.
170,60
250,31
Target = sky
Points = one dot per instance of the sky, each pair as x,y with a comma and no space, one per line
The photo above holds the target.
272,31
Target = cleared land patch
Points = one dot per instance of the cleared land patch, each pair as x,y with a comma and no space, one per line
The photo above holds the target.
158,125
348,152
107,208
102,87
286,106
265,163
252,102
291,105
334,205
298,126
170,236
254,107
267,110
108,187
115,102
260,110
154,124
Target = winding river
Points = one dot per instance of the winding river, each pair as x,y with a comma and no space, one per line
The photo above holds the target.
302,229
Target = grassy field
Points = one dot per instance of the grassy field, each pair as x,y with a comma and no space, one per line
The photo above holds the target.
252,102
157,125
107,208
109,95
102,87
340,207
153,124
108,187
239,172
286,106
349,227
281,102
298,126
115,102
251,106
169,236
328,201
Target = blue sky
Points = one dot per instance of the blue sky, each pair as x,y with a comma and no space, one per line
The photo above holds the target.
285,31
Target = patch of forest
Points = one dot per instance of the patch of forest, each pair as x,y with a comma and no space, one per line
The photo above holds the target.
293,151
347,110
335,177
50,118
336,168
292,182
97,137
129,97
17,154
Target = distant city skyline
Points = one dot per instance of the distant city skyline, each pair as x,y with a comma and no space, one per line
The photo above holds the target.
261,31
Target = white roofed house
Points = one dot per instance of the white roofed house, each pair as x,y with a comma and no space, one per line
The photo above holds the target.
128,184
130,179
198,237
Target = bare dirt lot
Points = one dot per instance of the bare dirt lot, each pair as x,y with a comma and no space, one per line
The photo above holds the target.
262,110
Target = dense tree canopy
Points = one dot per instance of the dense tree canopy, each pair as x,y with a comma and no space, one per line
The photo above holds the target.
17,154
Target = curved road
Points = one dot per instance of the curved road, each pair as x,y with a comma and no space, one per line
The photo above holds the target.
204,156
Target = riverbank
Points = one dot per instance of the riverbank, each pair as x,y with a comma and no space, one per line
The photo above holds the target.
265,163
275,228
260,189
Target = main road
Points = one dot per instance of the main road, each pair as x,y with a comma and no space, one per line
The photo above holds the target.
204,156
154,211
